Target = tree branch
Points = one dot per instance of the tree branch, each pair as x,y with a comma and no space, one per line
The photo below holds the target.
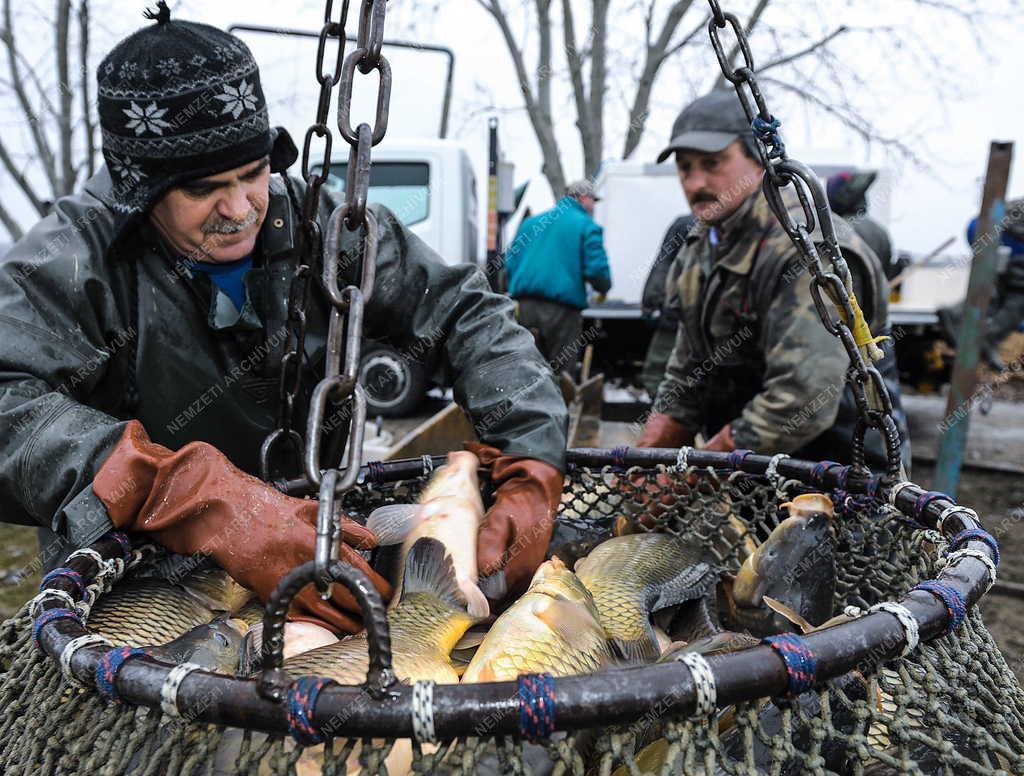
654,58
598,82
790,58
86,80
13,227
34,124
572,54
20,179
552,164
61,29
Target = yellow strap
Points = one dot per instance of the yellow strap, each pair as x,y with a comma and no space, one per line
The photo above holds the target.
861,331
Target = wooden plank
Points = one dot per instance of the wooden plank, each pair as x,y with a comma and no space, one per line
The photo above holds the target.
442,432
585,413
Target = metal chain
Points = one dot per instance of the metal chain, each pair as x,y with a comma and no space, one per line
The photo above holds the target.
781,171
339,386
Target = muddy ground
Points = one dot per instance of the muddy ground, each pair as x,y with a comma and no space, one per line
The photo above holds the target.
998,498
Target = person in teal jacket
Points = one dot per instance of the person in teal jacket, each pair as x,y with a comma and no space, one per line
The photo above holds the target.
553,256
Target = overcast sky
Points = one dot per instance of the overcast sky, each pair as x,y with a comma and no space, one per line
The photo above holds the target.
928,205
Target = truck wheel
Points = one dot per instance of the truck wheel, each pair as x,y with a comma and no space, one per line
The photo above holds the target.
394,385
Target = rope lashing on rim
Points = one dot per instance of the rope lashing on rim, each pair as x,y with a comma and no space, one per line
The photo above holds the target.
536,706
801,665
954,603
299,706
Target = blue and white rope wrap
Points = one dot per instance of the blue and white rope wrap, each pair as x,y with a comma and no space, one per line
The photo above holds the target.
704,682
91,554
967,552
927,498
423,711
107,668
954,603
67,573
63,596
618,455
907,621
771,472
801,664
126,544
952,510
536,706
49,616
169,689
736,458
976,535
68,653
895,491
428,465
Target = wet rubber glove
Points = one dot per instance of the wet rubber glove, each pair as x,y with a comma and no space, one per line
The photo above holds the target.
661,430
517,528
195,500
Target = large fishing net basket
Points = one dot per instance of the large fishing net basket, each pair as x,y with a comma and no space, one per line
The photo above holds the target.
916,688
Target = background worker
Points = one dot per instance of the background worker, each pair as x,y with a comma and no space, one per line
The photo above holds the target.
752,366
659,304
554,255
144,324
1006,308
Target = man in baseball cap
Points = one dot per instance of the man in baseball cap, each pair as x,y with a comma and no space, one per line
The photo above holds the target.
753,367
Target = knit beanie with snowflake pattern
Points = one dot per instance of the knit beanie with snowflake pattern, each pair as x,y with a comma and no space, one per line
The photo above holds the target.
179,101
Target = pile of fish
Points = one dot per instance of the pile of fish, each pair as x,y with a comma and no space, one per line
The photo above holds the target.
634,598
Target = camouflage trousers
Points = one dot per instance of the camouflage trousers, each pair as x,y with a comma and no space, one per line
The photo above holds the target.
658,353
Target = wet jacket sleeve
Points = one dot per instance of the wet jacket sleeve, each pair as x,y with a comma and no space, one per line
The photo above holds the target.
595,260
56,317
805,370
446,316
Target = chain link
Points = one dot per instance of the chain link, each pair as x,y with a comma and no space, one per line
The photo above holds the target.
840,312
339,388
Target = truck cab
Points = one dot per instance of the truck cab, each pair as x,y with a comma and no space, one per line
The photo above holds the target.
430,185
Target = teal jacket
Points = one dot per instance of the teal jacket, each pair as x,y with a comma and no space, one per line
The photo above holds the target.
555,252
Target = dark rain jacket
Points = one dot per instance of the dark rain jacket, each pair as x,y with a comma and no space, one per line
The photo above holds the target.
93,334
658,295
750,349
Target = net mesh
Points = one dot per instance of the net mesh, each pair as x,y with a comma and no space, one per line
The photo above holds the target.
951,707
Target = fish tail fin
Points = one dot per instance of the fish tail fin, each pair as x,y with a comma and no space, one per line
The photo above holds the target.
393,522
429,569
476,601
636,651
250,659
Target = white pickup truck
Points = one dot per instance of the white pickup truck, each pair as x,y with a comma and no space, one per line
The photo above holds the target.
430,185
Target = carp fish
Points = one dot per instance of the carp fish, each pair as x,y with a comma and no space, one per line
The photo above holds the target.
630,577
450,510
426,623
795,566
553,628
213,646
153,610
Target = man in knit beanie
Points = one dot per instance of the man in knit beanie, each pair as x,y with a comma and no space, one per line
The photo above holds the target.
144,322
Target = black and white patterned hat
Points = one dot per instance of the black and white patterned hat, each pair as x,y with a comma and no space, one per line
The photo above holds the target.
179,101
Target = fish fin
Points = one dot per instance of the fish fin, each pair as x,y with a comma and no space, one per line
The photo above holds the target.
789,613
250,659
393,522
636,652
429,569
570,621
691,582
476,601
471,639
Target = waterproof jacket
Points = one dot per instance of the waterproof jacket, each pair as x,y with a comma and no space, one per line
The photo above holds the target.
93,334
555,253
751,350
659,296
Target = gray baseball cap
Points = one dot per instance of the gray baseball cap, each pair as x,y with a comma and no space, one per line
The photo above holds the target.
709,124
581,188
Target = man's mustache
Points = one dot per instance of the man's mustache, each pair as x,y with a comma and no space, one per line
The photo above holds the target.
704,196
232,227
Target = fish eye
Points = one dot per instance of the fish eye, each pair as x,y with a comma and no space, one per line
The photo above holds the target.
221,639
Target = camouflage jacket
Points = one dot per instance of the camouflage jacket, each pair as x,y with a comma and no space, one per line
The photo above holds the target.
750,348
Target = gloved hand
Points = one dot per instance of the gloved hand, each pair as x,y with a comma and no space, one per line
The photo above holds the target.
661,430
517,528
722,441
196,501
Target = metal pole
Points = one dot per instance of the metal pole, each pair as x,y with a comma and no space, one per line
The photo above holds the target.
984,267
493,267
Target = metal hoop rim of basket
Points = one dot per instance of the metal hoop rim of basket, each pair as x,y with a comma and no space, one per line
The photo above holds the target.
615,696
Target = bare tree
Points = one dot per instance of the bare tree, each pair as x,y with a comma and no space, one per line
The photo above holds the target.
801,59
61,132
